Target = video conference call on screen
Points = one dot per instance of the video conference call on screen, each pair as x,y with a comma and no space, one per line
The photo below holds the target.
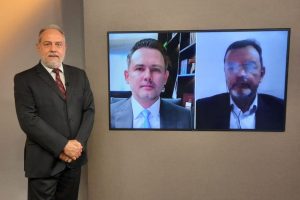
203,80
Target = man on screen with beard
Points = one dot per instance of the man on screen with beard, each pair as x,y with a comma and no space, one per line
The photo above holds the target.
242,107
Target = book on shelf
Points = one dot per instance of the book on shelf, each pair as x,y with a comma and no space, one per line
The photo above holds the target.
192,65
187,66
184,66
192,68
188,100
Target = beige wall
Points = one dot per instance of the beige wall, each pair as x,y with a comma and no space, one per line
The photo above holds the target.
171,165
20,23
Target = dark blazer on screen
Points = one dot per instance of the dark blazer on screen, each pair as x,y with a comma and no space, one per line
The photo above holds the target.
213,113
171,116
49,121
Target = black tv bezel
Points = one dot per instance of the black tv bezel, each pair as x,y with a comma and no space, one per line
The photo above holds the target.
199,31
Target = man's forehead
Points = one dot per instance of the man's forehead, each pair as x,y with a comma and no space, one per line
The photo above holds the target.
145,50
147,66
52,34
147,55
248,51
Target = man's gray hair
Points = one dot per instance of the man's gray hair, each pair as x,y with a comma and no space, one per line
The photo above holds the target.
51,26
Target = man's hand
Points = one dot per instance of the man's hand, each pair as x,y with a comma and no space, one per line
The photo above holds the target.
73,149
64,157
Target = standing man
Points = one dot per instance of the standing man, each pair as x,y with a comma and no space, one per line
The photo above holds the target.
242,107
55,109
147,74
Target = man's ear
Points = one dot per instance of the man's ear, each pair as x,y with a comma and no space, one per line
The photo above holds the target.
126,75
166,76
262,73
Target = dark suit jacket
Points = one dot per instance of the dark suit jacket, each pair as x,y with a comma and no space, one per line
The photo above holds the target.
49,121
171,116
213,113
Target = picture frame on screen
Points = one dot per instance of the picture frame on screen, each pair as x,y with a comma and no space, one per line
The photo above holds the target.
199,80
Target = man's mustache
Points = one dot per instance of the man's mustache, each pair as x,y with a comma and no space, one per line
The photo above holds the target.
53,55
242,84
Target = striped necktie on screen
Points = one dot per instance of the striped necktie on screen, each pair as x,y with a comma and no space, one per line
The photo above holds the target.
59,83
146,114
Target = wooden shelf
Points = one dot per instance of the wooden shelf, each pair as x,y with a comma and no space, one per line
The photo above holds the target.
181,49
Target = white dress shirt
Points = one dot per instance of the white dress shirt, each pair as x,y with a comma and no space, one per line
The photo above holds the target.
138,119
61,73
240,120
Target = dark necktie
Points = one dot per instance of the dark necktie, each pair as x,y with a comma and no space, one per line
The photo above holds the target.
59,83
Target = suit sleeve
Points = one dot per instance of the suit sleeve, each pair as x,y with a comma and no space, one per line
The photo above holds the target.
88,112
36,129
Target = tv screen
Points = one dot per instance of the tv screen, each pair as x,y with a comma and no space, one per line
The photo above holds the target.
203,80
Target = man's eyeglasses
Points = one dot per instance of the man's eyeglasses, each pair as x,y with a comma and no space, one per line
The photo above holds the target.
248,67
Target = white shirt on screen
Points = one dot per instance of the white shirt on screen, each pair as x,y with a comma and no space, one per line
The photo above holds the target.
240,120
138,119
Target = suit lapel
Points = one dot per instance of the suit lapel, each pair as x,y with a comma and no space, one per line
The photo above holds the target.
47,78
69,79
124,117
224,113
220,113
263,114
167,116
163,115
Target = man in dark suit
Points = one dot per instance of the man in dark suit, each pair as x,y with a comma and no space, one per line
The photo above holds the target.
242,107
147,74
55,109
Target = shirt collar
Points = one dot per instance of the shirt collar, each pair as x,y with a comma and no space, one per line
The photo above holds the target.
137,108
50,69
251,110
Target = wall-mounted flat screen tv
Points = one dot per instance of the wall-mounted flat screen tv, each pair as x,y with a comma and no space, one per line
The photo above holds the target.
199,80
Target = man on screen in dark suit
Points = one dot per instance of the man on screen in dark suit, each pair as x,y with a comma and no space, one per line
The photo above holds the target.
242,107
55,109
147,74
